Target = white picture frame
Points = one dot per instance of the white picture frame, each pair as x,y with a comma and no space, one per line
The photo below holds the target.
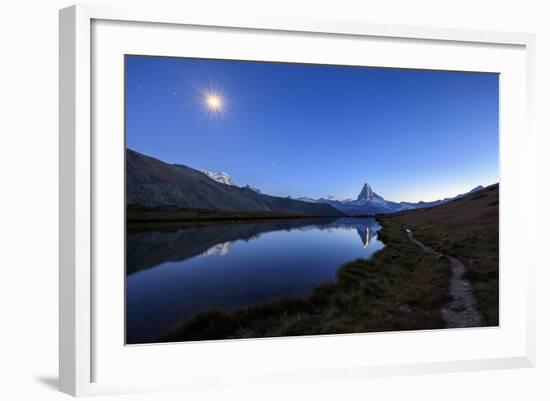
78,164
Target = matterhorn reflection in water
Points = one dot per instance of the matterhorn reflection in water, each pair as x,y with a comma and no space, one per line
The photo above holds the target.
364,234
174,273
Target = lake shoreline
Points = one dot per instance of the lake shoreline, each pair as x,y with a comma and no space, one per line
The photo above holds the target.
383,293
136,225
136,214
175,272
400,287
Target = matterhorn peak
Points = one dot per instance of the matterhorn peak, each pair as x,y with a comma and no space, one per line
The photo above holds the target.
366,193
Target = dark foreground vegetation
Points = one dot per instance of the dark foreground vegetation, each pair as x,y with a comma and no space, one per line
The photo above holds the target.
467,229
399,288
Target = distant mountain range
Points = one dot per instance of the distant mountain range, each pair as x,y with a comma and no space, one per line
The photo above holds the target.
153,183
369,202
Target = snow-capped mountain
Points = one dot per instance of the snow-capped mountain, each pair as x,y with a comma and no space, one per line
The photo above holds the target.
221,177
224,178
366,193
369,202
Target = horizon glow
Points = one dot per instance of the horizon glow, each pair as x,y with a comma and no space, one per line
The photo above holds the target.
317,131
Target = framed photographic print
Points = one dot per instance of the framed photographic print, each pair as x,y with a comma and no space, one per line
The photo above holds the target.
269,200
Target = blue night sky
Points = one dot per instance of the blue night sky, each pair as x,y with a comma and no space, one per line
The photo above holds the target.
312,130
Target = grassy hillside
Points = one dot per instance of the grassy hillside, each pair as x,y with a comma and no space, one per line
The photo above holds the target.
466,228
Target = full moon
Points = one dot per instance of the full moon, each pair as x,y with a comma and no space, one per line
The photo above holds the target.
214,102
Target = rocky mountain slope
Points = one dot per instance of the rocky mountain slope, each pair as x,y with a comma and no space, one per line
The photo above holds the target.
152,183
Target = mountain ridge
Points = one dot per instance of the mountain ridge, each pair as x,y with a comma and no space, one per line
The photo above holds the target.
153,183
369,202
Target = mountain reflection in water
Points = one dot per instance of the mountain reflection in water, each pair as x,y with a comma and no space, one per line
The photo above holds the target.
173,273
224,247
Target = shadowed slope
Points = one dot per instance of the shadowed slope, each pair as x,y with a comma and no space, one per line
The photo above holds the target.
153,183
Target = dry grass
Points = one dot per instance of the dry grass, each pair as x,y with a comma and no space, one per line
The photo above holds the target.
466,228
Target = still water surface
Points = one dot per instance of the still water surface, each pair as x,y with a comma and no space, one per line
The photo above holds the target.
174,273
